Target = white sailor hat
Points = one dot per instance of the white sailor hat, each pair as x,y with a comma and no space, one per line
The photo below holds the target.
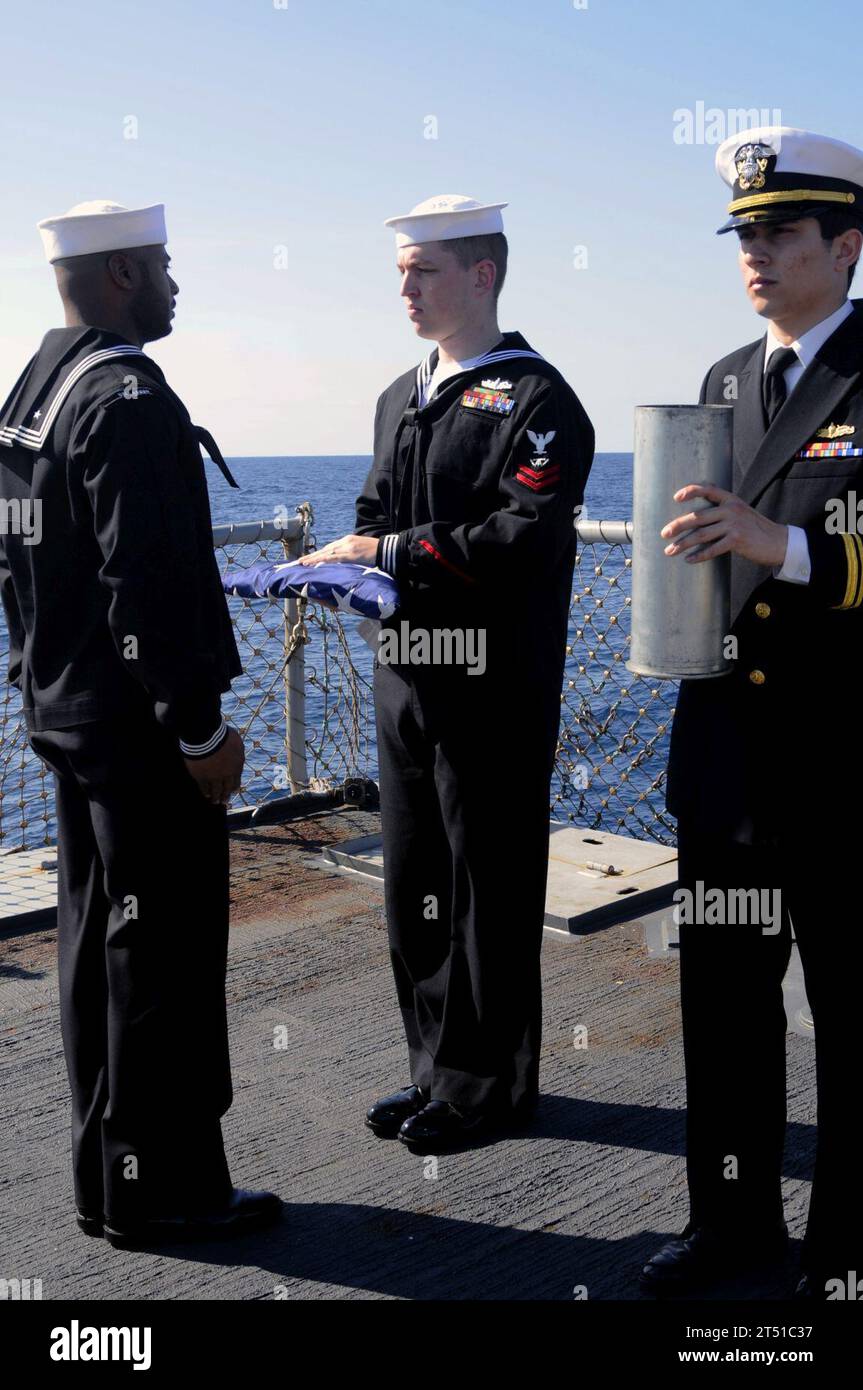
445,217
102,226
779,174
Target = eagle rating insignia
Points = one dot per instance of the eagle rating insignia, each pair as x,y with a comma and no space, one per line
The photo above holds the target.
541,442
751,163
537,474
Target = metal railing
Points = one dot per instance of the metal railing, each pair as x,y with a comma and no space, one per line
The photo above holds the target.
615,725
304,704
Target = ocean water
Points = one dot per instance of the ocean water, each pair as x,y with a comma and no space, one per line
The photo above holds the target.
331,485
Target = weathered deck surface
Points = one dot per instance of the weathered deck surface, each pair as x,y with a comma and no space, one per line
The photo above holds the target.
582,1198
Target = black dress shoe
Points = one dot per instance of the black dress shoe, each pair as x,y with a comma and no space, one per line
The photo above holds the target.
807,1288
387,1116
703,1254
244,1211
441,1125
90,1225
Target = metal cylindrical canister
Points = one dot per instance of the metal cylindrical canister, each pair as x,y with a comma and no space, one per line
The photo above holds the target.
681,612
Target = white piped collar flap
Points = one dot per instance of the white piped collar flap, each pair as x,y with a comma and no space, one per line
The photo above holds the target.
36,438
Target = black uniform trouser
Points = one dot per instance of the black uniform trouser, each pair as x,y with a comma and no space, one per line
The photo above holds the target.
143,904
734,1028
465,770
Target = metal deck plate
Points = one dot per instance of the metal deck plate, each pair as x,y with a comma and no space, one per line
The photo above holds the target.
28,889
582,894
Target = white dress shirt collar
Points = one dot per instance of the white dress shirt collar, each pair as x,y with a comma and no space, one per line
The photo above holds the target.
809,343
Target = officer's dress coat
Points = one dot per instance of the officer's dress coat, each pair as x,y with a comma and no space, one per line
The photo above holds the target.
751,751
121,645
761,778
480,485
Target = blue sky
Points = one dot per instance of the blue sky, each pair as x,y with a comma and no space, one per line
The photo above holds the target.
303,126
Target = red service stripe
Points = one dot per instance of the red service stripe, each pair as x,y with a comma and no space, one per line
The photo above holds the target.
537,479
537,487
532,477
551,472
436,555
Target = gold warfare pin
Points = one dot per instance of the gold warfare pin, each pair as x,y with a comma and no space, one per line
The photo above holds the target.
835,431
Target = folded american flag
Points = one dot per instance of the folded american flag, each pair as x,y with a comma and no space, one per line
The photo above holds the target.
358,589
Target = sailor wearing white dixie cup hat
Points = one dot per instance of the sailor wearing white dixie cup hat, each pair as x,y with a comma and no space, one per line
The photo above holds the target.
754,812
121,646
101,226
480,457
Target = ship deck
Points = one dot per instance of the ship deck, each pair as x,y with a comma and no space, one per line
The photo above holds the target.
578,1201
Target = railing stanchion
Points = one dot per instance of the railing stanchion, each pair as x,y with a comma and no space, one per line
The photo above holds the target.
295,682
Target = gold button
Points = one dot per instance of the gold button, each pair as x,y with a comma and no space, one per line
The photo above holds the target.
757,677
762,610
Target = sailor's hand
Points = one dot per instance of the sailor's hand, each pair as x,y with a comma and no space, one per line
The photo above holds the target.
354,550
728,526
218,776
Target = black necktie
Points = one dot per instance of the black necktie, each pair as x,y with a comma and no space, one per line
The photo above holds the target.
773,384
212,448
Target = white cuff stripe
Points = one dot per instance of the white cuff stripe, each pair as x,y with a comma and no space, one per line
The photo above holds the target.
388,552
200,750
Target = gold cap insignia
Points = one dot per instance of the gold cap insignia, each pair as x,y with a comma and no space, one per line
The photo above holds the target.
751,163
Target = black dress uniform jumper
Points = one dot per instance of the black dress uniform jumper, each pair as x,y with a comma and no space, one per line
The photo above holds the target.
763,778
473,496
121,644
